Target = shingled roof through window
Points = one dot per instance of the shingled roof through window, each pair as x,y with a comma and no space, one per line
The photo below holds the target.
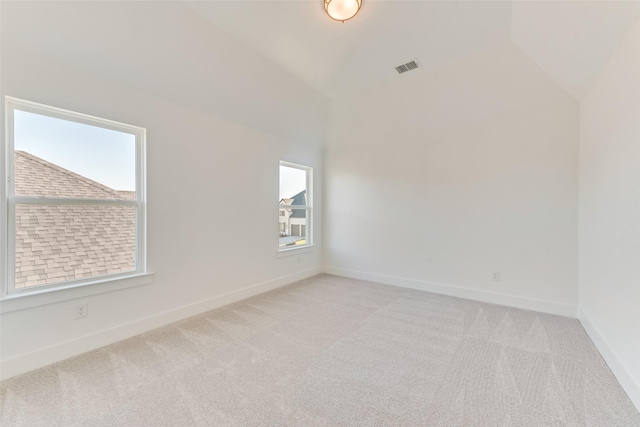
57,243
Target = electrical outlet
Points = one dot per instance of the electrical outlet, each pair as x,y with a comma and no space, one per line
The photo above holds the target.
297,260
495,276
82,310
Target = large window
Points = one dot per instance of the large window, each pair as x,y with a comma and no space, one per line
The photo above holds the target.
75,198
294,208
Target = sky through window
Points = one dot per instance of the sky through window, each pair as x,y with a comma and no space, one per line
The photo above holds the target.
102,155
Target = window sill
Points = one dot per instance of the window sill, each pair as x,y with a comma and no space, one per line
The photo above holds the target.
295,251
39,297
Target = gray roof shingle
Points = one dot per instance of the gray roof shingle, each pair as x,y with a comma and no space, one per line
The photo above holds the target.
57,243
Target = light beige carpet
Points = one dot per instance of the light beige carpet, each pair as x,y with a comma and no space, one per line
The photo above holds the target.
330,351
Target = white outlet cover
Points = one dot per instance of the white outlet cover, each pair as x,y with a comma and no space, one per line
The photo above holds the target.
82,310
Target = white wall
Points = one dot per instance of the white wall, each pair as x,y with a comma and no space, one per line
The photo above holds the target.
219,118
449,174
609,211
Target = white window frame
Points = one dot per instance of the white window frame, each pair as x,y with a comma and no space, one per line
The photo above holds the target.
288,250
139,276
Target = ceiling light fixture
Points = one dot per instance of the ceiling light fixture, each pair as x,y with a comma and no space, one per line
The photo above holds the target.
342,10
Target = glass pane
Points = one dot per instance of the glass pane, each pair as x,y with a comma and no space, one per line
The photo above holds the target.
293,226
293,185
56,243
61,158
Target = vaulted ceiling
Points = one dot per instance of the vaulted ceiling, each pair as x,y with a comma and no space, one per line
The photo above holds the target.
570,40
195,51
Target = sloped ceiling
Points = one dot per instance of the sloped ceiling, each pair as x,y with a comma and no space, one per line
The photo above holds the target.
336,57
161,48
569,40
572,40
191,41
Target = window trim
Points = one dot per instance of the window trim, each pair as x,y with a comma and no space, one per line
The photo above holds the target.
308,207
101,285
8,293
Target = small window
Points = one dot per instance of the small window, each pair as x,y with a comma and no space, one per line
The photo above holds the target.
75,198
295,206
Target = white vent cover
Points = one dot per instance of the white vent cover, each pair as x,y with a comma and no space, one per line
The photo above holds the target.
411,65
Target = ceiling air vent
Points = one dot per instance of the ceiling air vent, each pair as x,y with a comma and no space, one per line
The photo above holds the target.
411,65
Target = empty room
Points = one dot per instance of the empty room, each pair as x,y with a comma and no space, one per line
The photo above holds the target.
320,213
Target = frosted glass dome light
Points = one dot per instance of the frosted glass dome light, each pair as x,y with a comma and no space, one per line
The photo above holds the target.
342,10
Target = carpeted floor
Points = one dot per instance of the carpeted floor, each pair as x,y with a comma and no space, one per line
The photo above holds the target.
330,351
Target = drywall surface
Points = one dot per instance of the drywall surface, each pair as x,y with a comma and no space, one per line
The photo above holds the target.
219,118
452,173
609,209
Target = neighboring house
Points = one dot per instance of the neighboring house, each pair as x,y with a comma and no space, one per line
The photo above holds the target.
293,222
56,243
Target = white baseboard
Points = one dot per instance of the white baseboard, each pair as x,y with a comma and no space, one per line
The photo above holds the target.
626,380
46,356
565,310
